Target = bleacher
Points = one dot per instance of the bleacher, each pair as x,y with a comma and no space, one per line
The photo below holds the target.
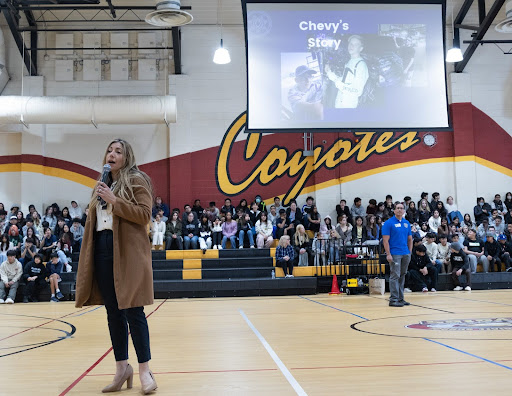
248,272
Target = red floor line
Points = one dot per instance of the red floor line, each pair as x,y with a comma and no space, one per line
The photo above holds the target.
42,324
81,377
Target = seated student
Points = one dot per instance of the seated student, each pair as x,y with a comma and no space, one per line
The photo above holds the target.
158,231
191,232
264,230
77,229
452,210
229,229
505,252
174,233
262,207
381,210
443,228
15,238
159,205
66,216
10,274
482,229
65,248
84,216
412,213
441,209
482,210
434,222
508,216
227,207
422,274
282,224
461,266
492,250
212,211
499,226
302,247
443,254
255,212
334,245
423,231
306,209
431,247
277,204
344,231
415,231
59,228
197,209
243,206
273,215
188,209
357,209
475,251
5,246
295,217
371,209
389,207
75,211
314,219
343,209
285,256
54,268
3,221
30,234
244,227
28,251
48,244
508,232
34,275
205,233
21,219
423,211
359,232
372,231
50,217
217,233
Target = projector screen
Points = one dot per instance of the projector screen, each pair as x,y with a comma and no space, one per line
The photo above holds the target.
345,66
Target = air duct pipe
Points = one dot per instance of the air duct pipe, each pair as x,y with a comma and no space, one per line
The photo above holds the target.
4,76
117,110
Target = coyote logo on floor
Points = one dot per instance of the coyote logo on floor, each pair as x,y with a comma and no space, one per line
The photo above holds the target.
464,324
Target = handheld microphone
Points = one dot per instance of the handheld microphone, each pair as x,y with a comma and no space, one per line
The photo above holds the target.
104,179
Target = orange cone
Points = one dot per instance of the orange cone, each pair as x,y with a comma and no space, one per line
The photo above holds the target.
335,289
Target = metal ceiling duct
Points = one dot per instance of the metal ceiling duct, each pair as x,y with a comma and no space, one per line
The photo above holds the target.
505,26
115,110
168,13
4,76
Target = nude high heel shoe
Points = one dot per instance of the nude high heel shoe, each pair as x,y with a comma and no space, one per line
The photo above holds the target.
116,386
150,388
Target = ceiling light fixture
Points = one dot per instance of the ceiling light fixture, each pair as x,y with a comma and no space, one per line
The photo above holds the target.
221,56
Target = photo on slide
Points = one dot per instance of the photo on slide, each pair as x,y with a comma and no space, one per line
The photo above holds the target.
301,86
410,44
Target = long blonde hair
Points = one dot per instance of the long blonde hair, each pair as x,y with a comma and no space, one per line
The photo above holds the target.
128,175
282,241
301,237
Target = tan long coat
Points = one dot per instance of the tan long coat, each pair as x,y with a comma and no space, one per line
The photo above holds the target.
133,274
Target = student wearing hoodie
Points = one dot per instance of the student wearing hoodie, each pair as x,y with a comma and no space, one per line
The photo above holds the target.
10,274
422,273
460,265
34,275
492,250
229,229
505,251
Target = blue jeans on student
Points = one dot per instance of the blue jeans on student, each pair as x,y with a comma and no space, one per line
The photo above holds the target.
439,266
119,319
241,238
191,241
225,240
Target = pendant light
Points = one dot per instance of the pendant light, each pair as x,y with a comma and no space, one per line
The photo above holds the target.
221,56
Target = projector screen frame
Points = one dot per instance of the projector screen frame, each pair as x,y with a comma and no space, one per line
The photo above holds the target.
449,128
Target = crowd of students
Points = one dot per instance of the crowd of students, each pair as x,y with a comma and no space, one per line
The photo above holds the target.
453,243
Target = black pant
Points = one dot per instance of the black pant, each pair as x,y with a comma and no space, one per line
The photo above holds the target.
286,264
118,319
217,238
170,241
505,258
418,281
456,280
33,288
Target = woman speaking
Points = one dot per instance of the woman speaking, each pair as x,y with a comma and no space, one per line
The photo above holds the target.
115,261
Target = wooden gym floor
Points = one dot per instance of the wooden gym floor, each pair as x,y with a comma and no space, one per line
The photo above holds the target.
319,345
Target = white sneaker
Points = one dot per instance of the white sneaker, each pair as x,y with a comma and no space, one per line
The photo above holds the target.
241,247
407,290
252,246
287,276
220,247
10,300
291,276
433,290
457,288
467,288
2,301
214,247
424,290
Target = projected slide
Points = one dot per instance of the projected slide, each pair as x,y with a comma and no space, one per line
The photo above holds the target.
345,66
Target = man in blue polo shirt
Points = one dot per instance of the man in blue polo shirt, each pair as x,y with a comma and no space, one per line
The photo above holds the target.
397,239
